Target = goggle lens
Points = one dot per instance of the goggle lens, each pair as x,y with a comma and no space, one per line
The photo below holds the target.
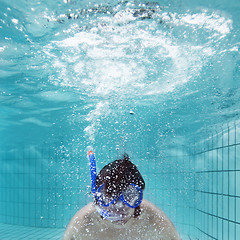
102,198
132,195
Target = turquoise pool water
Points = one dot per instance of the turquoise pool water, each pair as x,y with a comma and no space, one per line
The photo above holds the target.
158,80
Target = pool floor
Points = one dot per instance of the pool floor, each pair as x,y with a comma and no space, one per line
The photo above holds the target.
16,232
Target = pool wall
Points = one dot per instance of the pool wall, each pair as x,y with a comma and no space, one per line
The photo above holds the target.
40,187
217,184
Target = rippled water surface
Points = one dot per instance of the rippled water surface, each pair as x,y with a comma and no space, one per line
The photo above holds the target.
116,75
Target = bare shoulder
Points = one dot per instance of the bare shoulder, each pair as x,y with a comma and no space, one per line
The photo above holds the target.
78,222
152,209
160,220
83,213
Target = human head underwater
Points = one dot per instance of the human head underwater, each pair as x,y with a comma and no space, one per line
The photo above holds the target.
117,189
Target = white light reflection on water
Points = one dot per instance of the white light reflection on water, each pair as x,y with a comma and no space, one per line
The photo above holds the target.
108,54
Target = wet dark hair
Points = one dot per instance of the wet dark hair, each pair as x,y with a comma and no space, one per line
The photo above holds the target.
117,176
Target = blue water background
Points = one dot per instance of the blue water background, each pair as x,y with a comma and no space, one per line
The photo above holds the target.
132,76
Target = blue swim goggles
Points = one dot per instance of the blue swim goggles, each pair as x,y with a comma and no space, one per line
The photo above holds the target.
131,196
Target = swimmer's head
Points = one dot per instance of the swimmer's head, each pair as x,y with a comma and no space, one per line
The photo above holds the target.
116,178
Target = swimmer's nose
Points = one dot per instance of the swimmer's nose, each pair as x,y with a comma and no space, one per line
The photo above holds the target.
120,205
